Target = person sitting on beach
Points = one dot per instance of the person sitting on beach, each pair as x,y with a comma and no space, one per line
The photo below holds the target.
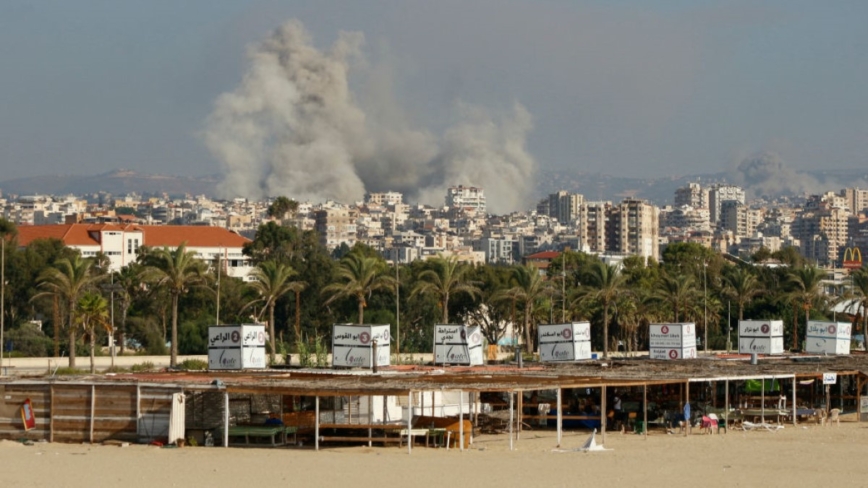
273,419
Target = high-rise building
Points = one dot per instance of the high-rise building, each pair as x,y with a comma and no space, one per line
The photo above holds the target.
385,198
466,197
336,226
739,219
821,229
719,194
856,199
692,195
634,228
565,206
591,226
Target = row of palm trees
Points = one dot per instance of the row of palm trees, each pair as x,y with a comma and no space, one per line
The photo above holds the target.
629,297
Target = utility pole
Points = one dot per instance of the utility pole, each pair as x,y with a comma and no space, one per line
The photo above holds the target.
564,291
397,309
705,301
217,320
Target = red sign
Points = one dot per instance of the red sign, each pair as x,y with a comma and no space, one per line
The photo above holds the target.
852,258
664,329
27,415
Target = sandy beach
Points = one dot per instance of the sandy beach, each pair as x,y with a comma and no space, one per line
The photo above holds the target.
808,455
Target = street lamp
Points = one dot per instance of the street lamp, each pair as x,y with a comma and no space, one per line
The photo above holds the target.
112,288
564,292
705,301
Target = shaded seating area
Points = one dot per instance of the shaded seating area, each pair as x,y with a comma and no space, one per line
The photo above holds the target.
275,435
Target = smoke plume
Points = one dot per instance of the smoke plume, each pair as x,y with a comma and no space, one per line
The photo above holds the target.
293,128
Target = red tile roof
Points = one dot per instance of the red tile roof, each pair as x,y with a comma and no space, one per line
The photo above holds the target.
153,235
549,255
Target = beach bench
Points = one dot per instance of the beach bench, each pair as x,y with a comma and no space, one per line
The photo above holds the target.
385,428
277,434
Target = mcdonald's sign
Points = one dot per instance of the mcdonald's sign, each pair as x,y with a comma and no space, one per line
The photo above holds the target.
852,258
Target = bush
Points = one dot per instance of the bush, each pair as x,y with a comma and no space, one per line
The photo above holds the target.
193,365
67,371
142,367
29,341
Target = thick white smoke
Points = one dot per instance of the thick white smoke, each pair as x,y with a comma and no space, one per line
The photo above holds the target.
293,128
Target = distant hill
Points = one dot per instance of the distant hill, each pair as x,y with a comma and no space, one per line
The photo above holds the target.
117,182
660,191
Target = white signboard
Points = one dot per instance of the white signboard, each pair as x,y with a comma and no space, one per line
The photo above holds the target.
236,347
564,342
673,353
352,345
820,345
458,344
761,345
830,378
761,328
679,336
831,330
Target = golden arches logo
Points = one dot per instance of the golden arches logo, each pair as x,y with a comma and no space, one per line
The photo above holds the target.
852,258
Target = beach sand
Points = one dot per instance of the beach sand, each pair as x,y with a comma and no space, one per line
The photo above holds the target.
806,455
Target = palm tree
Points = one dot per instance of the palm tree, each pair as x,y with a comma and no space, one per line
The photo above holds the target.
93,311
6,229
805,290
603,284
678,291
741,286
175,270
530,288
860,292
68,280
447,278
297,287
360,276
272,281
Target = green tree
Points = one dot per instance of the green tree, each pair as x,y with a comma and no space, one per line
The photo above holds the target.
447,277
528,289
741,286
176,270
92,313
603,284
69,280
272,281
678,291
282,206
7,229
805,290
860,295
359,278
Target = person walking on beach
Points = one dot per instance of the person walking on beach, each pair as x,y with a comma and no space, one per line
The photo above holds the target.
686,426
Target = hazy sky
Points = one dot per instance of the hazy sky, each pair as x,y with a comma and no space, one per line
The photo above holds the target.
622,87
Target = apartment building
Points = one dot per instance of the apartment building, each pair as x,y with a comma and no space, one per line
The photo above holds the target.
121,243
692,195
722,193
466,197
739,219
821,229
633,228
336,226
565,207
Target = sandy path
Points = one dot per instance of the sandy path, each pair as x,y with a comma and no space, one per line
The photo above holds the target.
792,457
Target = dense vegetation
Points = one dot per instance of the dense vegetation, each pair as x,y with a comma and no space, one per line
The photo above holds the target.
302,289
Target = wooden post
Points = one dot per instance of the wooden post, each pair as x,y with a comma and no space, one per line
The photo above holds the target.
858,397
51,417
726,407
316,423
511,413
410,420
763,400
370,419
226,417
560,416
461,420
644,410
795,407
603,412
138,408
520,413
92,409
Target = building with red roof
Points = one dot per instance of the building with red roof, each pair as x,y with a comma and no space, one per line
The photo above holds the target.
122,242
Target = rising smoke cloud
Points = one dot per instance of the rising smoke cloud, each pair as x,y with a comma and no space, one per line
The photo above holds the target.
766,175
293,128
